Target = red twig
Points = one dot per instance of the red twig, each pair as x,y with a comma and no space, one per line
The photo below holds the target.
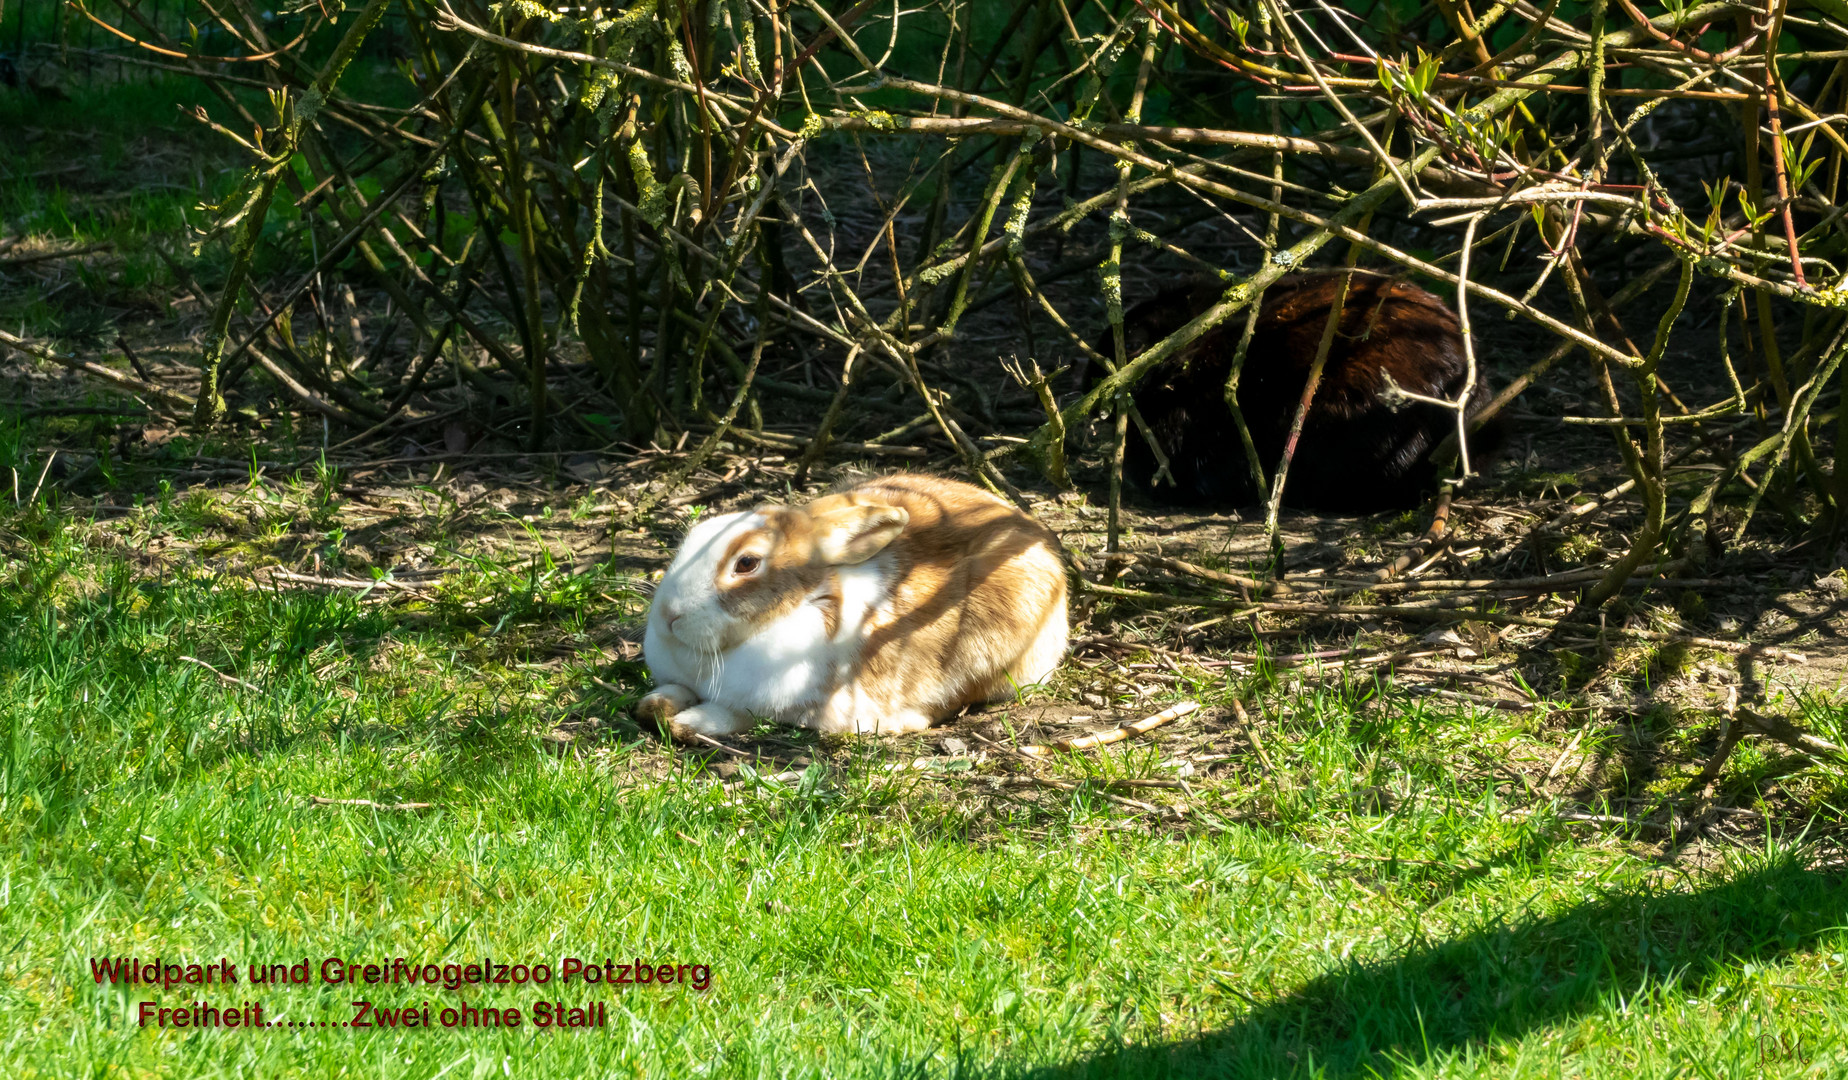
1777,140
1643,22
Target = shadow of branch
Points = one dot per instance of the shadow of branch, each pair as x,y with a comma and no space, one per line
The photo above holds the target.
1433,999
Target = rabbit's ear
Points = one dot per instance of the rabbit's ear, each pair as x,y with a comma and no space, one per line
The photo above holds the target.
854,534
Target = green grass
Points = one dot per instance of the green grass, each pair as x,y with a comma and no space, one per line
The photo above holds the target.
863,922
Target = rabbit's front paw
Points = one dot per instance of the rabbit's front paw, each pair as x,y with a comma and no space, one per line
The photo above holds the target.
665,702
708,719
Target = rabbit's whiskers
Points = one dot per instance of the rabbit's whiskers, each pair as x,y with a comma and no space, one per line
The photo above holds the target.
717,659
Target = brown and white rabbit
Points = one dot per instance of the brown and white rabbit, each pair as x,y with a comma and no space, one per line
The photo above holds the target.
879,609
1360,451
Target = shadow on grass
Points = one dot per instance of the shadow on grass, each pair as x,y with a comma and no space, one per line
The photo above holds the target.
1436,999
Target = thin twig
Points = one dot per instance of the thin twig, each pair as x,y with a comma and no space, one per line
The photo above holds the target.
228,680
1114,735
368,804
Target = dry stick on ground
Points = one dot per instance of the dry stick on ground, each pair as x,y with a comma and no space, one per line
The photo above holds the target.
1218,577
368,804
1701,788
1504,704
1545,583
306,397
109,375
1250,732
779,441
1577,737
345,583
1440,525
1500,619
1776,727
32,499
228,680
1309,589
133,360
717,745
1608,820
1447,613
1115,735
46,256
607,687
732,481
1348,658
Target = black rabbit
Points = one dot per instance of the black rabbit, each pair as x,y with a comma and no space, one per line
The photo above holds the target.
1358,452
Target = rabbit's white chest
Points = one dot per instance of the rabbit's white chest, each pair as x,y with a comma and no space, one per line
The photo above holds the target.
793,664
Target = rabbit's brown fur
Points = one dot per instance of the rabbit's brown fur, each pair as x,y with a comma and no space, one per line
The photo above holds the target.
1357,452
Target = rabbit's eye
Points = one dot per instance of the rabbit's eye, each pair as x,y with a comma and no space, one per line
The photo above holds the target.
746,564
